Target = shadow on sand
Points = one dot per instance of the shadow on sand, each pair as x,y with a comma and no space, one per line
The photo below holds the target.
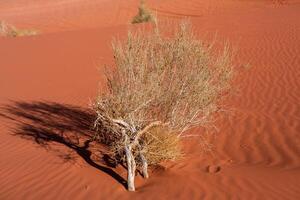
48,122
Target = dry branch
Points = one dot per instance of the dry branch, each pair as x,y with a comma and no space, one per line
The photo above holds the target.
159,88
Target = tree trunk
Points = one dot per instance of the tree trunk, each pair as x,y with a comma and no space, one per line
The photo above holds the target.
131,167
129,145
144,166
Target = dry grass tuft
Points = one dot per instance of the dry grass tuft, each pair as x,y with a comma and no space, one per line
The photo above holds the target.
160,87
8,30
144,15
158,144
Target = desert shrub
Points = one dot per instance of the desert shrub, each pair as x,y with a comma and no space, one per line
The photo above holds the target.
161,86
8,30
4,28
144,14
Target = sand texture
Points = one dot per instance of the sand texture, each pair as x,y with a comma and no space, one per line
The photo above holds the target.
47,82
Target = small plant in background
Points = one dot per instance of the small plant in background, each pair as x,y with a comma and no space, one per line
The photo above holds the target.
144,14
8,30
159,88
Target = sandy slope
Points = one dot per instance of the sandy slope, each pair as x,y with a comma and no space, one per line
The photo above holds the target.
54,15
46,83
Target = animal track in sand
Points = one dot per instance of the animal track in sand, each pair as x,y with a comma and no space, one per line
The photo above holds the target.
213,169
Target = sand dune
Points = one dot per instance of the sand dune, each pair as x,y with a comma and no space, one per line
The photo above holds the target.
58,15
47,82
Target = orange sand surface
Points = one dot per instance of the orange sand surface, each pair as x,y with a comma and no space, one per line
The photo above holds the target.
47,82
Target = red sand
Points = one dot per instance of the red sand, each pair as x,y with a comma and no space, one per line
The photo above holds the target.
256,153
